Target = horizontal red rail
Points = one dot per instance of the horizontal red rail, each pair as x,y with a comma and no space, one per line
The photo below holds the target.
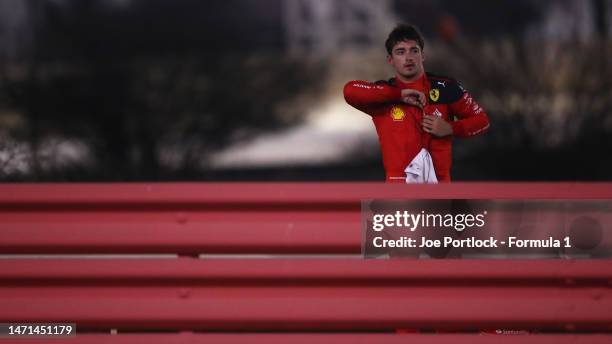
298,193
309,295
231,218
300,309
364,338
565,272
284,236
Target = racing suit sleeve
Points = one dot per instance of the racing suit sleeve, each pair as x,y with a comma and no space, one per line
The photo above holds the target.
471,118
365,96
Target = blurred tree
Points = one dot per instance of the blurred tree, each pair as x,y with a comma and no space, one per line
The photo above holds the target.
600,12
133,80
153,86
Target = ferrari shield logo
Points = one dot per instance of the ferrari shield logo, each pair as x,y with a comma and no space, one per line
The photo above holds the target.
434,94
397,114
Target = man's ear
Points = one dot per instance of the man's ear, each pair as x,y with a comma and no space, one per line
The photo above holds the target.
423,54
389,59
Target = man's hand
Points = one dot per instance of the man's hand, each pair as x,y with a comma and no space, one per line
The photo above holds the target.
436,126
414,98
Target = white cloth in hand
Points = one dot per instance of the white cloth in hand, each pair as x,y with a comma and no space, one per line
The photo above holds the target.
421,169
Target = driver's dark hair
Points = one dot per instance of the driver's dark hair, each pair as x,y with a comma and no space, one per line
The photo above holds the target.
404,32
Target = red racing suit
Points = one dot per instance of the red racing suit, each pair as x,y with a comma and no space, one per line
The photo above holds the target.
398,124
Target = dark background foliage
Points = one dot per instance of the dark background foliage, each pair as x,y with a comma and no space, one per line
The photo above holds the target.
150,90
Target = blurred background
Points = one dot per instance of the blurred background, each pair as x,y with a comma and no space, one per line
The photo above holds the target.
251,90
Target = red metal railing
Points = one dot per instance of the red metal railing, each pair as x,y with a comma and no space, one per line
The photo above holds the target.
220,218
571,298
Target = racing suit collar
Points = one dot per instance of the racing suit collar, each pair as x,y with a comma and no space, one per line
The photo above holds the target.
418,84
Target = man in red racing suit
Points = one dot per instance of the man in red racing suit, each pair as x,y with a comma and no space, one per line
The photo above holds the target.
415,109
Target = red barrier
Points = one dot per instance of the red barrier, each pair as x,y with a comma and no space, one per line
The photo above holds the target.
277,294
82,195
233,218
308,338
309,295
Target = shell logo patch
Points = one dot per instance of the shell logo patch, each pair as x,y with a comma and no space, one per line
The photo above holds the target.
434,94
397,114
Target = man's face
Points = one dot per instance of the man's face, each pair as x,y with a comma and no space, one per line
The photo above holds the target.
407,60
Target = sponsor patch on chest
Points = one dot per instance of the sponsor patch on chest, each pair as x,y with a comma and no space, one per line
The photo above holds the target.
397,113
